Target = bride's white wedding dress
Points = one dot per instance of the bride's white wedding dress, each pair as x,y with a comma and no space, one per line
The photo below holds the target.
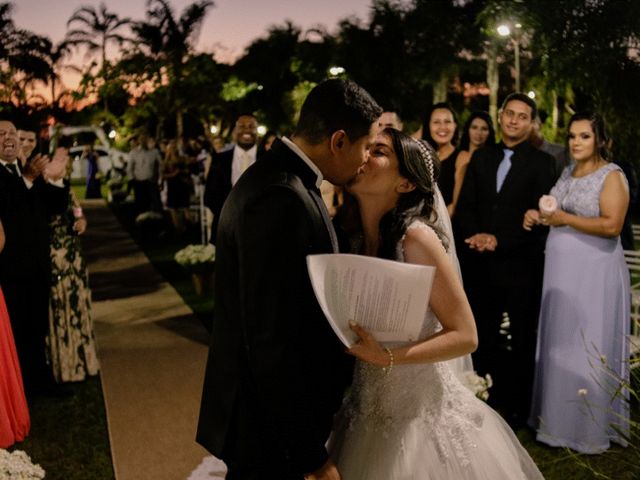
419,422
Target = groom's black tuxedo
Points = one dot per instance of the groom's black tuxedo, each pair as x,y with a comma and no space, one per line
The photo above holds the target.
509,279
218,185
275,372
25,268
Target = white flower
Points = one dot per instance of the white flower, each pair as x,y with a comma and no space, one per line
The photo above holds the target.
193,255
478,385
582,392
17,466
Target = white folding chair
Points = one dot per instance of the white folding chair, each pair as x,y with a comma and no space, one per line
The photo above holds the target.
636,232
632,257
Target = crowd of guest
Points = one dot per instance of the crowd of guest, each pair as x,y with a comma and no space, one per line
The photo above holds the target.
515,259
46,327
549,289
557,275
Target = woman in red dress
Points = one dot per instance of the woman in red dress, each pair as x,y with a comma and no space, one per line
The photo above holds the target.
14,414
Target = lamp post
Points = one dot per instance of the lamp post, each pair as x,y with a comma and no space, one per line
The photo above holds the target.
505,31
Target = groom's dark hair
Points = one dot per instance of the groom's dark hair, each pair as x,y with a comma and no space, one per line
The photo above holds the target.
334,105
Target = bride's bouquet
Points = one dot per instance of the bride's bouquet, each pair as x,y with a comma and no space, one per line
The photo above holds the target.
478,385
18,466
197,258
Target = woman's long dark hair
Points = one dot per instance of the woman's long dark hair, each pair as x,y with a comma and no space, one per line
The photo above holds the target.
464,140
417,162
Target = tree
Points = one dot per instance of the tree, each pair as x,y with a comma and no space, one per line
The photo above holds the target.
588,51
268,66
163,46
97,28
23,55
409,52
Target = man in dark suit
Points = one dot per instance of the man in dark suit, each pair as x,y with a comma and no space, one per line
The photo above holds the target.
228,165
276,373
501,262
26,202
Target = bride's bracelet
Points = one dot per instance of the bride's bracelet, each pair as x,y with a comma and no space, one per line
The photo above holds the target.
389,367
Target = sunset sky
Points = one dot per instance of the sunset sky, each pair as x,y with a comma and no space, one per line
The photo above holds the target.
229,27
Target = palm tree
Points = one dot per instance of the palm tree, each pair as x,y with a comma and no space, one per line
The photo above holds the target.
168,42
55,57
24,55
97,28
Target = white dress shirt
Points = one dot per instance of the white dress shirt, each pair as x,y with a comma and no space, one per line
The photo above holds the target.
242,159
29,183
306,160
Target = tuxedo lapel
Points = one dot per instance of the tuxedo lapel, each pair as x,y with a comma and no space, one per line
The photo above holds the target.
325,218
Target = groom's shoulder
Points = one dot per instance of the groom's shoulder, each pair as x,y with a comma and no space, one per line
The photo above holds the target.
267,179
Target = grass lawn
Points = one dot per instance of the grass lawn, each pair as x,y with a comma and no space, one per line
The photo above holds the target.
69,436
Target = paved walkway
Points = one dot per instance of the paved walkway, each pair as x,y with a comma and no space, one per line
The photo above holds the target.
152,351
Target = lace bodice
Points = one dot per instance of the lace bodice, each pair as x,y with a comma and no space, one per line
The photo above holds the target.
581,196
429,393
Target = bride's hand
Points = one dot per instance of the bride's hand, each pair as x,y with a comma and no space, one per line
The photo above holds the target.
368,349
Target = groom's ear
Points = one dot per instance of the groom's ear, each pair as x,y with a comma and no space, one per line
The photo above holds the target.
337,141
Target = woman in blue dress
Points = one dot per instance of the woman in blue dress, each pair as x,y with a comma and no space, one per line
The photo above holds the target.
582,352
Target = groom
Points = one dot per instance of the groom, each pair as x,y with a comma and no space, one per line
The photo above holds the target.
276,373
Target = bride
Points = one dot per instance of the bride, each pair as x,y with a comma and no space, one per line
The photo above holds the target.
407,416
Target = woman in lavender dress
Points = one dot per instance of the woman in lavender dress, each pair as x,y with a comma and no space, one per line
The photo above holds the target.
582,353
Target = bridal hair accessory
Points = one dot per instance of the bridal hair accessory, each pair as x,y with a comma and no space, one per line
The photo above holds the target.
389,367
428,158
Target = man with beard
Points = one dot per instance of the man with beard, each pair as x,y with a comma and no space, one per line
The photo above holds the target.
228,165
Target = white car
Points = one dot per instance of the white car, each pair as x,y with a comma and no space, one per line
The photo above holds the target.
108,157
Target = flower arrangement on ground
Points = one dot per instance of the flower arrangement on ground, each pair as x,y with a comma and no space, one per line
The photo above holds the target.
18,466
197,258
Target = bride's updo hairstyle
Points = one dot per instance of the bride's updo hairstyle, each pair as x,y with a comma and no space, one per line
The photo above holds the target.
418,163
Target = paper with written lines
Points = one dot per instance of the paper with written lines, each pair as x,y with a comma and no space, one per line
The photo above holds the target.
388,299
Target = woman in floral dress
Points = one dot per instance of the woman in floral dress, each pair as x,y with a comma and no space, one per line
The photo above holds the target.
72,348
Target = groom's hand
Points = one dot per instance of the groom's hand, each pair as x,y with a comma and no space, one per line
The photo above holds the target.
327,472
